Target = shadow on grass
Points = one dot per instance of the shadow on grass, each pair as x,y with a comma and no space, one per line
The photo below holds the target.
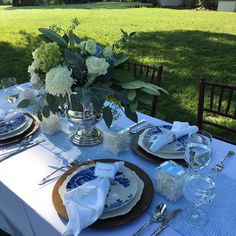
88,6
186,56
14,62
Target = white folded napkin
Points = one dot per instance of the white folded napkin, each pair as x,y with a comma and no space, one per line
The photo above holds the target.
178,130
85,204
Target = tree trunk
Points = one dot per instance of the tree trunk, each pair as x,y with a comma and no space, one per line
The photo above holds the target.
15,3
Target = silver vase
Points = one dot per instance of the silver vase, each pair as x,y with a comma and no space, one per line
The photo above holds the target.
86,134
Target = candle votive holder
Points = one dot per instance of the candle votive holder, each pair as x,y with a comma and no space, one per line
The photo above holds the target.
169,180
116,139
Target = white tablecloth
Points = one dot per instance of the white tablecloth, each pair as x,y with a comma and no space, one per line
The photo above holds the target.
26,208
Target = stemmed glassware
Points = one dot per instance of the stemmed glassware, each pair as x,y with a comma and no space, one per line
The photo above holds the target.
11,92
199,185
198,150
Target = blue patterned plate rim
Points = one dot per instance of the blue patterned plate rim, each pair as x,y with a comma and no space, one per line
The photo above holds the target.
124,182
12,125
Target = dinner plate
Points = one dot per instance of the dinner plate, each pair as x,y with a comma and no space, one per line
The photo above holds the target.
176,147
128,207
173,150
123,187
12,125
19,131
139,207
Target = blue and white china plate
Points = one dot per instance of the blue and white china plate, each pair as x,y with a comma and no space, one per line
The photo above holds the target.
12,125
123,187
174,150
19,130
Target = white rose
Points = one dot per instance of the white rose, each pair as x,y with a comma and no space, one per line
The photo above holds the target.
107,52
97,65
91,46
59,81
82,45
34,78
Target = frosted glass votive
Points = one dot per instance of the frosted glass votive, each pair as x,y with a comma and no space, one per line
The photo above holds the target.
169,180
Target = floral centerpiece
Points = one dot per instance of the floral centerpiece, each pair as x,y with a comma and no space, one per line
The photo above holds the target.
66,65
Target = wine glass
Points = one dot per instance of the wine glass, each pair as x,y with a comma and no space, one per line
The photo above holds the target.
11,92
198,150
199,189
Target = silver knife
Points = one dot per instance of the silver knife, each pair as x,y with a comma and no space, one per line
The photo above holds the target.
166,221
32,144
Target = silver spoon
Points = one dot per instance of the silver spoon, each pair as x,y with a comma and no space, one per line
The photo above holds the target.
157,214
220,166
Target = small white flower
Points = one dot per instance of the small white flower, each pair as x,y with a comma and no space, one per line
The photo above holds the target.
34,78
90,46
34,54
107,52
34,66
59,81
97,66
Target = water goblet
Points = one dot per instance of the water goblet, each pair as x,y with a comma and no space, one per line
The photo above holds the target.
11,92
199,189
198,150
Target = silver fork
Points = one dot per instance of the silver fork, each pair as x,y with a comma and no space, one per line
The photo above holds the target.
71,164
220,166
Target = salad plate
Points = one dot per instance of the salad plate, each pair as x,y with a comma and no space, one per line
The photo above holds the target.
24,127
174,150
12,125
123,187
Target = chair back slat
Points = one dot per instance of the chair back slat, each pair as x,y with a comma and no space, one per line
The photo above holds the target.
150,73
229,101
212,96
220,98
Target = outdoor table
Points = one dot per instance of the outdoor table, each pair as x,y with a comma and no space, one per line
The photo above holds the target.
26,208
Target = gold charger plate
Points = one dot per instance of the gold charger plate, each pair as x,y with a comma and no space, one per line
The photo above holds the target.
31,130
138,209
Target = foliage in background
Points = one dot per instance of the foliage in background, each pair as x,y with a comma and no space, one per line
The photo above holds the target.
189,44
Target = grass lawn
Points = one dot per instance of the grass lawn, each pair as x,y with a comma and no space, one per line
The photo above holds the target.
188,43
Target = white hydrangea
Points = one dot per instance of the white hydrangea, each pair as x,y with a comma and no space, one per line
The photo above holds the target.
59,81
34,54
90,46
97,66
34,66
34,78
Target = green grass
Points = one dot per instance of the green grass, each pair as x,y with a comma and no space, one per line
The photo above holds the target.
188,43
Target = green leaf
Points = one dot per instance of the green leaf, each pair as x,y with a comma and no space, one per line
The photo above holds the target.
133,107
144,97
46,111
53,102
53,36
120,61
150,91
39,115
131,95
107,116
122,75
136,84
77,39
132,34
131,115
24,103
71,40
123,97
154,87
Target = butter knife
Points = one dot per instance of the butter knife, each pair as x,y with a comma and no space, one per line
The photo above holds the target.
31,144
166,221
